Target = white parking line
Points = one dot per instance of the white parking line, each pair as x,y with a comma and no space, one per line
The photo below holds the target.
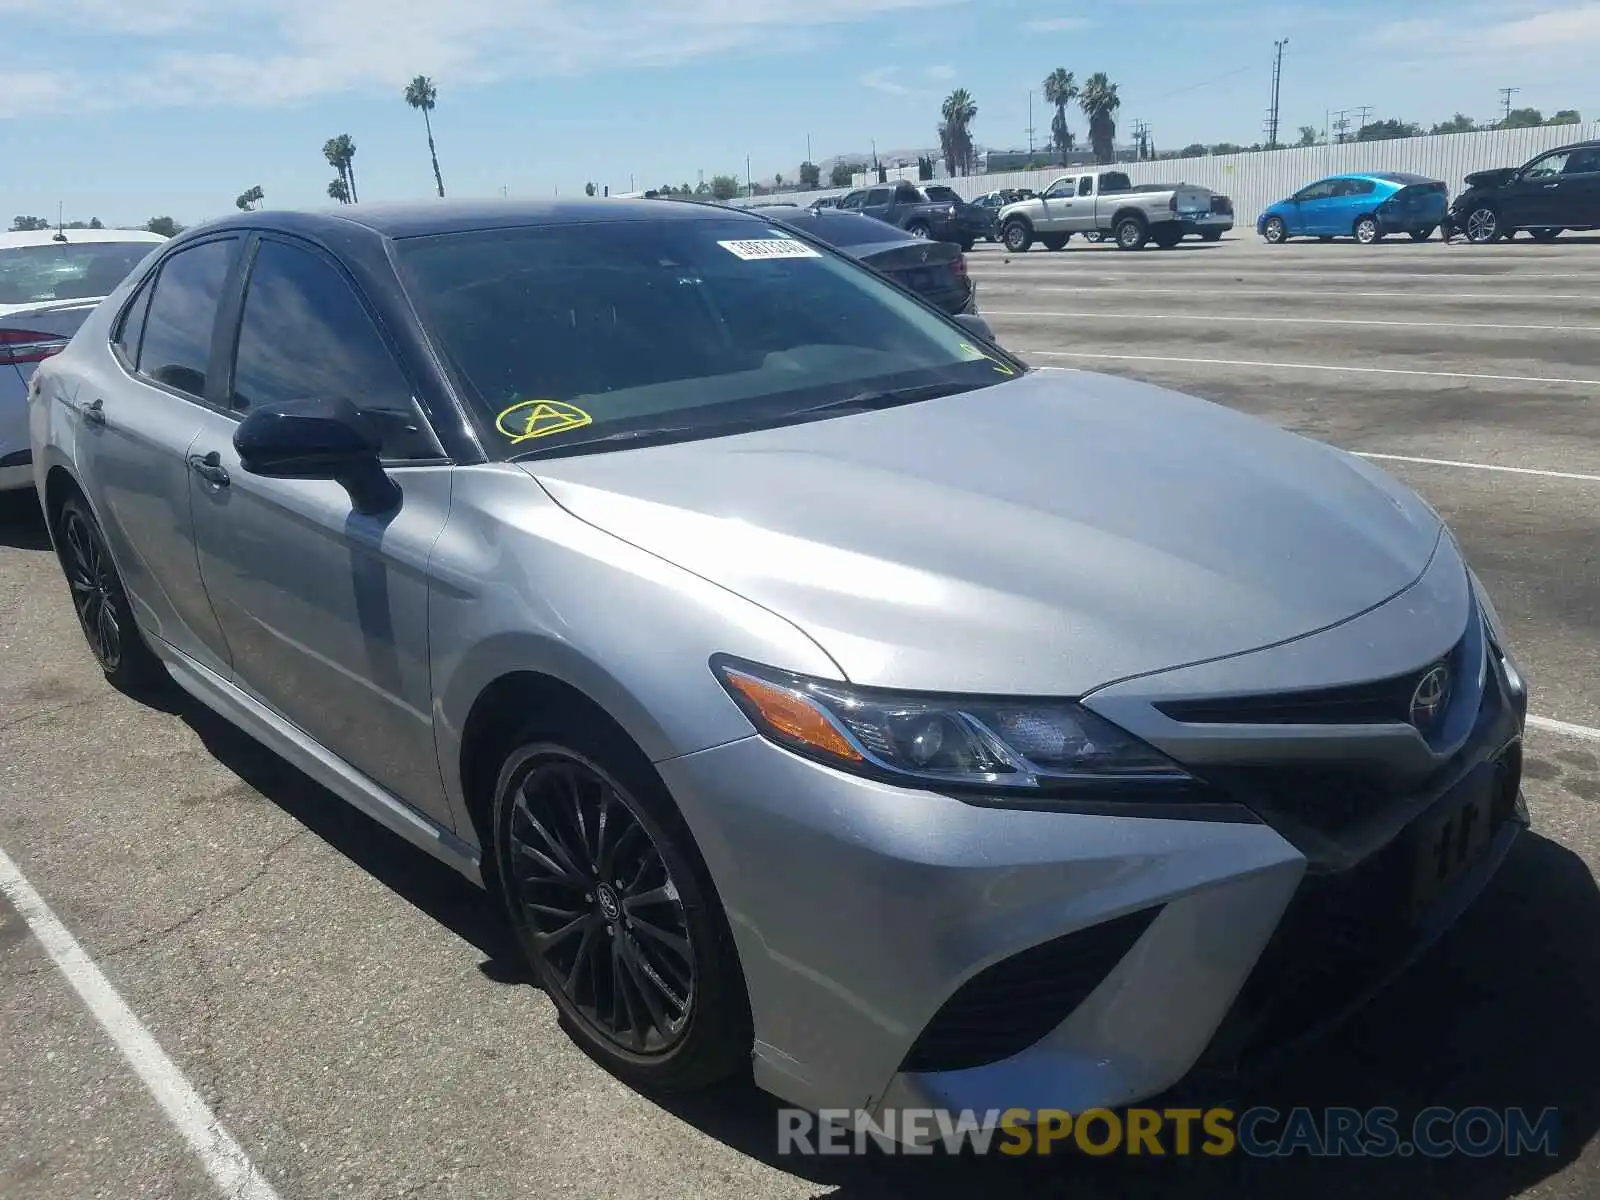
1209,318
1066,270
1290,293
1447,462
1284,366
224,1159
1582,732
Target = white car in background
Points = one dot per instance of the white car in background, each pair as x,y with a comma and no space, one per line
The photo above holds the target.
50,280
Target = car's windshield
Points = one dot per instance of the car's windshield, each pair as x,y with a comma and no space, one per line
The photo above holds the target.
70,271
699,326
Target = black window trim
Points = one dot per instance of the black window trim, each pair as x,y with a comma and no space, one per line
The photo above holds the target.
152,280
230,322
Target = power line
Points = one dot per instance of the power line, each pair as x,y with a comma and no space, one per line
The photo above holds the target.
1505,102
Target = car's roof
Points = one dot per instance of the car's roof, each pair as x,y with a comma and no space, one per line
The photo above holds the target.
424,217
44,237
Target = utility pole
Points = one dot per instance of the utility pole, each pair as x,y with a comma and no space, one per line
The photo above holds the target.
1277,81
1366,111
1505,102
1030,123
1141,138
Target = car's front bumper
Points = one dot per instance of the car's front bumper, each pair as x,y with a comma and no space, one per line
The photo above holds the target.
894,940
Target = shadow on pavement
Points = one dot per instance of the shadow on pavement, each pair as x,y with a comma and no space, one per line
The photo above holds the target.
22,522
1502,1012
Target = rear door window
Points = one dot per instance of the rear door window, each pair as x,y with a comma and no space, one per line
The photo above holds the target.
176,349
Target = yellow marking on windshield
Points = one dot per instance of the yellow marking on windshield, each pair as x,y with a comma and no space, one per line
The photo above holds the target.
539,418
968,348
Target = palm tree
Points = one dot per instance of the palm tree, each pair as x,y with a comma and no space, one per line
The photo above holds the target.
250,198
955,135
1060,89
1099,101
420,93
338,191
341,153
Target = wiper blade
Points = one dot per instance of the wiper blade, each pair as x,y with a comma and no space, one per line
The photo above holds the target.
884,398
651,433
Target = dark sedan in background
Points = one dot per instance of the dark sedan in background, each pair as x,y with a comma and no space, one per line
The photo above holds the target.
936,271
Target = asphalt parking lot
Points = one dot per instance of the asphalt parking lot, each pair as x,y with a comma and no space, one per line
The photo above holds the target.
350,1011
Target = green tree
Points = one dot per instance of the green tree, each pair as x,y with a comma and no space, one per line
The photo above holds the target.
28,224
341,155
810,175
1382,131
777,181
589,189
422,94
955,133
1308,136
94,223
724,187
1099,100
165,226
338,190
1460,123
1567,116
924,168
1227,148
1522,118
1194,150
250,199
1060,89
843,174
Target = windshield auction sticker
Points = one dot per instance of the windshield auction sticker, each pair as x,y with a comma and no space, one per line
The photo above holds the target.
539,418
756,249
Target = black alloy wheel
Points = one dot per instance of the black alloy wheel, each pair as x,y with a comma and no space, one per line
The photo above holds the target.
100,601
611,907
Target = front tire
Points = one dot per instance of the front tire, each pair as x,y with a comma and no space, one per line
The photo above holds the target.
1275,232
1367,231
101,602
1017,236
1482,225
615,913
918,229
1422,235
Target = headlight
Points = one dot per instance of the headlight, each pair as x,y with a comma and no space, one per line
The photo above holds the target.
992,744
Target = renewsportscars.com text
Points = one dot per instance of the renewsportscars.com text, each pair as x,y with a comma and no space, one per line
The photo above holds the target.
1260,1132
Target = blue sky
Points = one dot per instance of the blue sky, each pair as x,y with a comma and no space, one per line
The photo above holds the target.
127,109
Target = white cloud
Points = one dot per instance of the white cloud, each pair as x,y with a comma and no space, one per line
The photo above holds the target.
173,52
940,72
882,79
1056,24
1492,33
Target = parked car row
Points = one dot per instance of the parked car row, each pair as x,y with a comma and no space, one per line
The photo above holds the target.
1557,191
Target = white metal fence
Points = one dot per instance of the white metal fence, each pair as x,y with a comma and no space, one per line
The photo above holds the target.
1254,181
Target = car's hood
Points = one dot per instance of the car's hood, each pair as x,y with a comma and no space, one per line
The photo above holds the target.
1045,536
1496,178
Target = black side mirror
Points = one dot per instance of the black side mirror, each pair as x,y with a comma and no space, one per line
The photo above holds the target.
318,439
977,326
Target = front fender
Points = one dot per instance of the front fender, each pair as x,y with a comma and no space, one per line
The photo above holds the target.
518,584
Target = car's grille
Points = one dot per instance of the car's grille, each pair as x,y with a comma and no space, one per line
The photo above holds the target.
1008,1007
1384,701
1342,935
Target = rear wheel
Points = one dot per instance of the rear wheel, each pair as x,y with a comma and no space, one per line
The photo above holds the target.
918,229
1544,235
1132,233
1422,235
101,601
1054,241
1368,231
614,911
1211,235
1483,225
1275,232
1017,236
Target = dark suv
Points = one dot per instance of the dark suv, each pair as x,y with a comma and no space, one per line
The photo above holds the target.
1558,190
934,212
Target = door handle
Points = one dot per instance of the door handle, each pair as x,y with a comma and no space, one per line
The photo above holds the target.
1548,186
209,467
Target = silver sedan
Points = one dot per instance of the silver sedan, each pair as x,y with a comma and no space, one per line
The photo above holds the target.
827,694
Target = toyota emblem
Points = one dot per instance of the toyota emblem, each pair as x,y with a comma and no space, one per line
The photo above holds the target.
1430,698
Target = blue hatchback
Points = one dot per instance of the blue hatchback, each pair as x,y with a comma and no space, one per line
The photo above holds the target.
1362,206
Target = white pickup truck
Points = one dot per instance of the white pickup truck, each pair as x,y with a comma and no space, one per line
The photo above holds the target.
1106,203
